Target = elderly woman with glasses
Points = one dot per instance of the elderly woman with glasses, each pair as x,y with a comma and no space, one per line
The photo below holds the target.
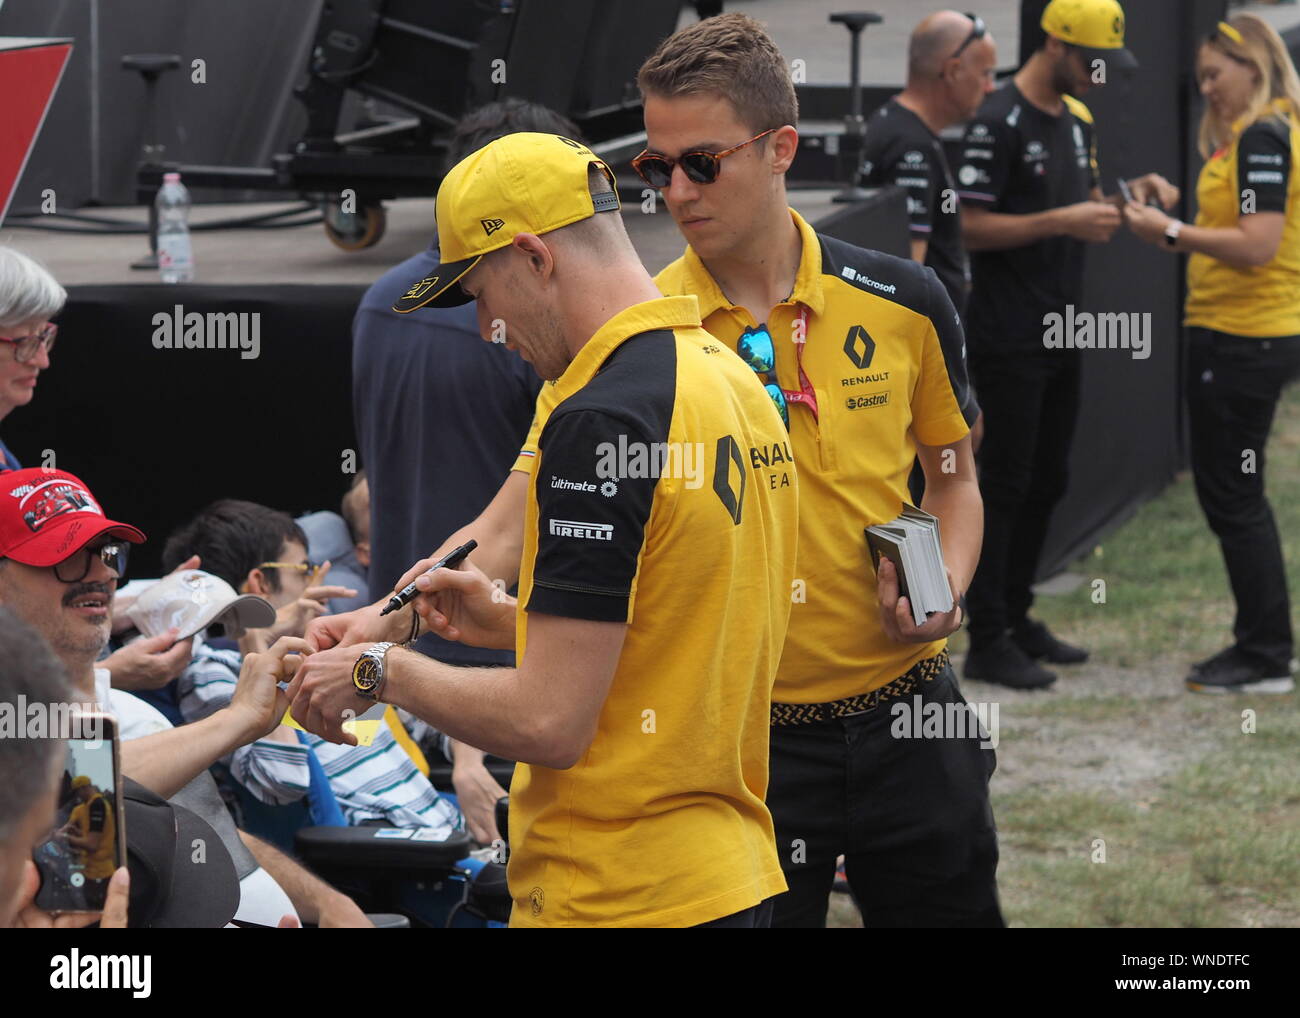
29,298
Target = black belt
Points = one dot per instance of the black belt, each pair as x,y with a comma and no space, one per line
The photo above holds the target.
785,714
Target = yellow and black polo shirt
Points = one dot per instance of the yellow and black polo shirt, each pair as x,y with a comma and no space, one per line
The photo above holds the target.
883,352
1256,173
663,494
885,356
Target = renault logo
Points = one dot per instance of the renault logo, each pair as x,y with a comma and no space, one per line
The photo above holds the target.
732,498
859,347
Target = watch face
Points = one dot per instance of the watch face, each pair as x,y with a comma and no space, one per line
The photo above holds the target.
365,676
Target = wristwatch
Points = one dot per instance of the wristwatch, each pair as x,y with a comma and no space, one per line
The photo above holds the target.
368,672
1172,231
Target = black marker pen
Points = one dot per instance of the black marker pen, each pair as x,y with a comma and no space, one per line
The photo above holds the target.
407,594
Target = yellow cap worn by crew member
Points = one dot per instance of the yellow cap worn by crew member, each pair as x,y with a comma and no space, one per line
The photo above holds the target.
522,183
1094,26
80,781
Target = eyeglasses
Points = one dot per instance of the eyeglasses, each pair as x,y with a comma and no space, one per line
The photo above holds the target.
297,567
978,31
76,567
699,166
25,347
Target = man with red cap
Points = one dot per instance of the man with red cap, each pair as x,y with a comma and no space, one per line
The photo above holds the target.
61,559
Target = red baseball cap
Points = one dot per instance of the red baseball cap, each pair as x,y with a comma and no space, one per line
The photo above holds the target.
46,515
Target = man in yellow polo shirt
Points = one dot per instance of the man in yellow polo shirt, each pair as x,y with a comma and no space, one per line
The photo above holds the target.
654,586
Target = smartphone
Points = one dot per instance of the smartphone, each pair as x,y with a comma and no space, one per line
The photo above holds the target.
88,842
1124,190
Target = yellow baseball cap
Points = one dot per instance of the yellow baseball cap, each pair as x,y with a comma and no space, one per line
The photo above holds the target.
521,183
81,781
1094,26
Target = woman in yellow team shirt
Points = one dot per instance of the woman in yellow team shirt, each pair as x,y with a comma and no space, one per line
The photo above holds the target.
1243,319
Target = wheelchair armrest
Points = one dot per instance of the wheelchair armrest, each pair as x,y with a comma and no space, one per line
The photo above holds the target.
376,848
440,772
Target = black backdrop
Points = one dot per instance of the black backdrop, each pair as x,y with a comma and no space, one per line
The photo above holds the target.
157,434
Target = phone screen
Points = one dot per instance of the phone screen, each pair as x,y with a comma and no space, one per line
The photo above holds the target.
88,842
1124,190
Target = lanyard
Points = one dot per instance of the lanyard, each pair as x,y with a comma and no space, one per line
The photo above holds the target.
805,394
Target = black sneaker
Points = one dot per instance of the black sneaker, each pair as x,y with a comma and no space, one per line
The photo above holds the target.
1214,660
1036,640
1233,673
1005,664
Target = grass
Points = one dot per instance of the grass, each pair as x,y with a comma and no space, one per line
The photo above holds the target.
1216,844
1199,820
1214,841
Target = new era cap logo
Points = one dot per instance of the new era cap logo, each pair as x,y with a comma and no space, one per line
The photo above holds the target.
420,288
490,226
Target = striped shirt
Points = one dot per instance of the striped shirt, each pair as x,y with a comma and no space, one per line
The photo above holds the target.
375,782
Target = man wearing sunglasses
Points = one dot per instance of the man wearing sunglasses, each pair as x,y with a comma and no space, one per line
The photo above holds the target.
1031,201
60,563
868,365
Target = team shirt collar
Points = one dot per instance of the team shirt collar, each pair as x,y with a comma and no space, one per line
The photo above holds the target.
807,281
682,312
1278,107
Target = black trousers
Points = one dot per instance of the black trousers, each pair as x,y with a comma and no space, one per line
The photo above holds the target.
756,917
911,816
1030,402
1233,384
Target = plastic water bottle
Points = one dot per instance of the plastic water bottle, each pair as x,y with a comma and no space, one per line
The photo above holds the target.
175,255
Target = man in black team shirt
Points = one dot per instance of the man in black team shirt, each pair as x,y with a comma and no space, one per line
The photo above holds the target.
950,61
1031,198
